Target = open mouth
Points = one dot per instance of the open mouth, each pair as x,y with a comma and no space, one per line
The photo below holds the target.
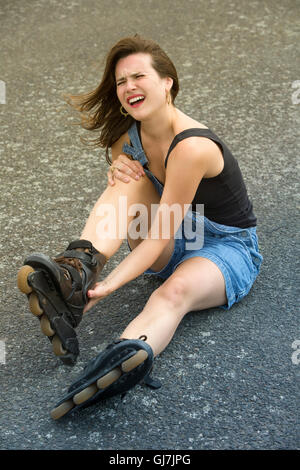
135,100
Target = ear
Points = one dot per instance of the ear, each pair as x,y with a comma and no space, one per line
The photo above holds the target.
169,83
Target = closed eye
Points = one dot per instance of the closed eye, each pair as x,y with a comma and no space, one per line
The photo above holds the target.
122,81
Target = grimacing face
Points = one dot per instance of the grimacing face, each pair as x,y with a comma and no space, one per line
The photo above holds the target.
140,89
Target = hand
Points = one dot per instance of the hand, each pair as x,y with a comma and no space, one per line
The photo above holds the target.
123,168
99,291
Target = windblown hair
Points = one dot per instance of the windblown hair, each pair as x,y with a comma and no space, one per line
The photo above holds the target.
100,108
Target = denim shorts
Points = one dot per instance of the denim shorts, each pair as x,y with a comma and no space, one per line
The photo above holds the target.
234,250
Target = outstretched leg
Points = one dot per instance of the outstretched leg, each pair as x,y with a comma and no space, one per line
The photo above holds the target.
196,284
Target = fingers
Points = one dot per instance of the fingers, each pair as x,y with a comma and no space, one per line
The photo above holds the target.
110,177
124,169
90,304
99,291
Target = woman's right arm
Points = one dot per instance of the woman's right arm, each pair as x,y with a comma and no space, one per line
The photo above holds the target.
123,167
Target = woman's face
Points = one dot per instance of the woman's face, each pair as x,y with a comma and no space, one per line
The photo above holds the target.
141,91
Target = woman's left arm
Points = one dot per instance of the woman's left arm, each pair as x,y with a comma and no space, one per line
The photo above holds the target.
186,167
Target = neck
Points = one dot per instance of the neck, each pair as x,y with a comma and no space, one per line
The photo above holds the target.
161,124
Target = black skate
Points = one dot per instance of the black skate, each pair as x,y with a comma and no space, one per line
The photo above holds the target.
57,292
118,368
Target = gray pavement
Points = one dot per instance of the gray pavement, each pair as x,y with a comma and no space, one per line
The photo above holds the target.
229,378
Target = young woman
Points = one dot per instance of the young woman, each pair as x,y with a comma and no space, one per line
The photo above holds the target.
163,162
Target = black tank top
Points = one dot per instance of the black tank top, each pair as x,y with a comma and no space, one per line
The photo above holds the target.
224,196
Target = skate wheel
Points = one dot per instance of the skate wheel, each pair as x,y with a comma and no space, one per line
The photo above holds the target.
34,305
22,279
109,378
62,409
134,361
57,346
85,394
46,328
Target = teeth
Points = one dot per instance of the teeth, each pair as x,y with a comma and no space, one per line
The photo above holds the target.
137,98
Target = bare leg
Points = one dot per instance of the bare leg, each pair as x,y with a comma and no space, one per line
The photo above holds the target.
197,284
141,191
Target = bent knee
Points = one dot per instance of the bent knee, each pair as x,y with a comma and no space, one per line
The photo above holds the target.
173,291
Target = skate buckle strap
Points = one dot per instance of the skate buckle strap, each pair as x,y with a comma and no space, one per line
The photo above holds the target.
87,258
81,244
151,382
119,340
85,244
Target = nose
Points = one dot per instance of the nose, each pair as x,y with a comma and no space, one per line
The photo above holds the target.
130,84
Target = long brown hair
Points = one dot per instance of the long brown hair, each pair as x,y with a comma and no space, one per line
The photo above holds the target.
100,108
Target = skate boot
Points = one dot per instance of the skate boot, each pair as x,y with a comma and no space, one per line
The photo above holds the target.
121,366
57,292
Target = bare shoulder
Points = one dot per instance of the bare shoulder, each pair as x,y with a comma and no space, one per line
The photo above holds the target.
198,150
193,146
201,156
117,147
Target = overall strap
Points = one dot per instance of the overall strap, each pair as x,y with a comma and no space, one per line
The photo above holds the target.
193,132
135,149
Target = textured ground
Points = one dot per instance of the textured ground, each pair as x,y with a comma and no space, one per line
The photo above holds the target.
229,378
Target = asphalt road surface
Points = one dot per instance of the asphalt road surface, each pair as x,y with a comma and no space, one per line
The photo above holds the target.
229,378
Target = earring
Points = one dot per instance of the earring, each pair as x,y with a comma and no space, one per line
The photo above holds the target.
124,113
168,97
